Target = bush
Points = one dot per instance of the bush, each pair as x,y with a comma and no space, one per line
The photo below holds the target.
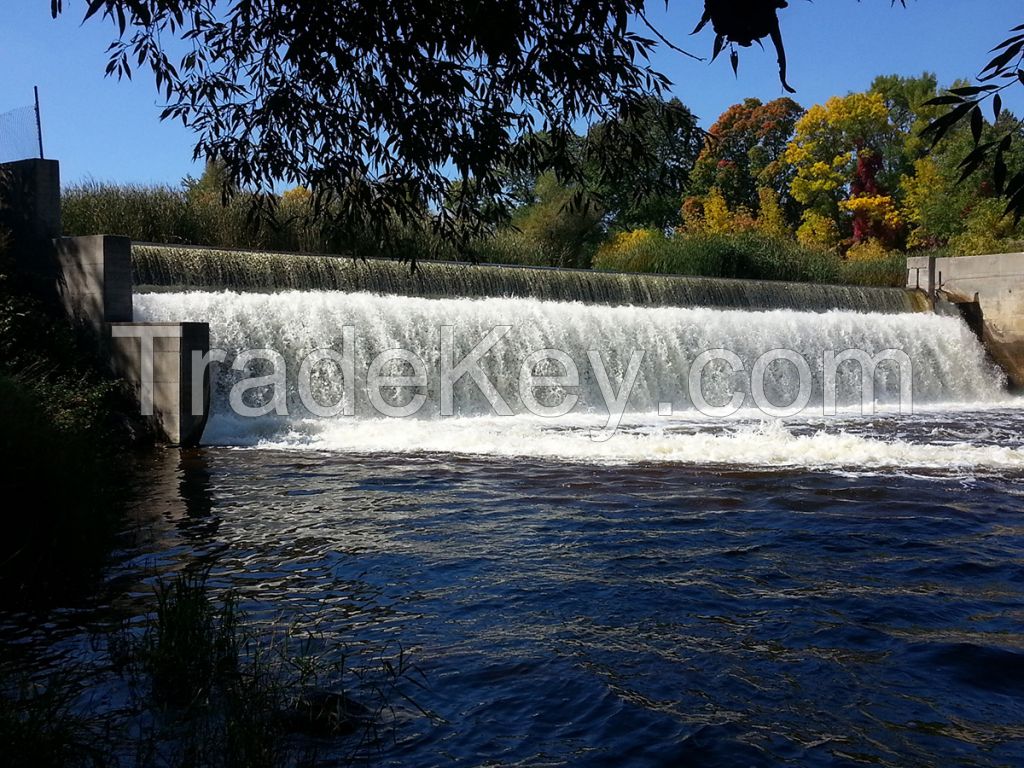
63,423
746,255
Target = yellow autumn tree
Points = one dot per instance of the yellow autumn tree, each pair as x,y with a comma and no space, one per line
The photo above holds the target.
771,219
625,251
817,231
717,216
839,152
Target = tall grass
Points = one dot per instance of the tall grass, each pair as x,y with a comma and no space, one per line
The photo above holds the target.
40,725
748,256
890,271
197,215
190,216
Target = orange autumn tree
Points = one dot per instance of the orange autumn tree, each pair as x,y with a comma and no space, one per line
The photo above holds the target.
745,151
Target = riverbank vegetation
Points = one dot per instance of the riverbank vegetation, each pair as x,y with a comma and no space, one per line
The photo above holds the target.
65,422
194,682
839,192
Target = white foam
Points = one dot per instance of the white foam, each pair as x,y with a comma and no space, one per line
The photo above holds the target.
766,444
950,374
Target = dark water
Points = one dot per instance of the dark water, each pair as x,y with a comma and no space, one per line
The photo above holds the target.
564,614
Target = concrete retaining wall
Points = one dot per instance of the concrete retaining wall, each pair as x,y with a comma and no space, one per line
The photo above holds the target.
996,283
90,279
163,364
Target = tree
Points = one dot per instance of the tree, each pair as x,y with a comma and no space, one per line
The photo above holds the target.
637,183
745,150
371,105
642,188
845,153
943,204
565,227
374,105
965,105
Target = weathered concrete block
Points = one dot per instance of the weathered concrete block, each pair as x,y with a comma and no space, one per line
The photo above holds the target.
93,277
921,274
157,360
30,211
996,282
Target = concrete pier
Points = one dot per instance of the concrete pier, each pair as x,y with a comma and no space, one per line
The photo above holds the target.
90,279
996,284
93,278
162,363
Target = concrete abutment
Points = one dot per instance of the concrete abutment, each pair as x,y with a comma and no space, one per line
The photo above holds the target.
90,280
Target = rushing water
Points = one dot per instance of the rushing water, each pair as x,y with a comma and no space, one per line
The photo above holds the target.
644,359
172,266
820,589
813,590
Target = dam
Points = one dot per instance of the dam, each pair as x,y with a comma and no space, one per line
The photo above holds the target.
609,329
157,267
611,519
583,335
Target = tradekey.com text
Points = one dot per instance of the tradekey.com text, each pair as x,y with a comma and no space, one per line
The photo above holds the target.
473,372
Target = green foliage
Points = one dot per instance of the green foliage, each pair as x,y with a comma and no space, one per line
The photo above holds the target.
562,224
967,105
746,255
641,189
61,492
454,86
986,229
906,99
63,419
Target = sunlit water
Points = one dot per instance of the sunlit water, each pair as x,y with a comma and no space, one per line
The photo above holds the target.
750,591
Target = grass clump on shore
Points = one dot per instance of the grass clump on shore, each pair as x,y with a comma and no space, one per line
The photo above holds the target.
197,685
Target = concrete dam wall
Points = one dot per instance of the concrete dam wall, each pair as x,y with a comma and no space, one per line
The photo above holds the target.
990,293
160,267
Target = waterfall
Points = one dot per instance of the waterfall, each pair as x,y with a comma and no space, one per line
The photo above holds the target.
178,267
631,398
948,363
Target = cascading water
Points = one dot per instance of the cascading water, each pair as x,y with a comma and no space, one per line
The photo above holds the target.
156,266
630,396
641,580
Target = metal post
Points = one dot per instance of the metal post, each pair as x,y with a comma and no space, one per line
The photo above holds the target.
39,125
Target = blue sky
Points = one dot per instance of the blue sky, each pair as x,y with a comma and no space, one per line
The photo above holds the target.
103,129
